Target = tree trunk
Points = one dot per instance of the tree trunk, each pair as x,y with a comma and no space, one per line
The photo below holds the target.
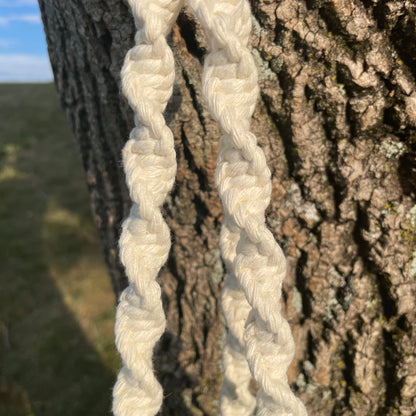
337,121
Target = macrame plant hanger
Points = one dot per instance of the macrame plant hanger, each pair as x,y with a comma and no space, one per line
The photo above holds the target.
259,342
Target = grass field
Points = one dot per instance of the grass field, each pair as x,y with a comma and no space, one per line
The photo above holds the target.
56,304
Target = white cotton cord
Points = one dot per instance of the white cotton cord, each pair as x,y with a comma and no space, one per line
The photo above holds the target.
230,87
236,398
150,166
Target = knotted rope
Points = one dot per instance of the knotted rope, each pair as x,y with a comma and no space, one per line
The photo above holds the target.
150,166
230,87
259,342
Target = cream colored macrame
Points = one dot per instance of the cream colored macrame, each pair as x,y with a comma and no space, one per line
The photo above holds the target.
230,87
259,342
150,166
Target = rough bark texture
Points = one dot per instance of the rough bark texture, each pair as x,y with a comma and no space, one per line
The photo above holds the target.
337,121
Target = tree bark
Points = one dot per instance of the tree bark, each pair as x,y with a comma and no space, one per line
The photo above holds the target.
337,121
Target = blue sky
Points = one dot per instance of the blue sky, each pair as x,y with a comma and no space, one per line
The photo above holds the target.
23,55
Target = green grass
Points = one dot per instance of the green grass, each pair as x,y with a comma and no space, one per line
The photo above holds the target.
56,304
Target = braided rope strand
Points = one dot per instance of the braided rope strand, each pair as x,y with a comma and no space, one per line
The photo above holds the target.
236,398
243,180
150,166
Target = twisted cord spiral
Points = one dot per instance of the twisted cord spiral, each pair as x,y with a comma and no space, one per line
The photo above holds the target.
150,167
236,398
230,88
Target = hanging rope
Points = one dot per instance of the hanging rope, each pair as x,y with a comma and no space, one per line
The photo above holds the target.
230,86
150,166
259,342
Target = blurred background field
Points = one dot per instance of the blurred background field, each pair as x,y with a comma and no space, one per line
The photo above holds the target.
57,354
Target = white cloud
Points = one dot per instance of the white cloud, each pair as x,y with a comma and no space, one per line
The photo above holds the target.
18,3
28,18
6,43
25,68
